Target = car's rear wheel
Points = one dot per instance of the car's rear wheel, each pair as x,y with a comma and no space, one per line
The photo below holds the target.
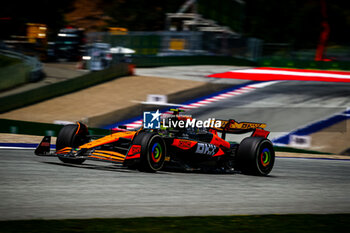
73,136
255,156
153,151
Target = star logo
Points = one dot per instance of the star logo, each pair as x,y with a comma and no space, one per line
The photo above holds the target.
151,120
155,115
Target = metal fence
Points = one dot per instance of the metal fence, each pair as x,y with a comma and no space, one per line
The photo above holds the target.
173,43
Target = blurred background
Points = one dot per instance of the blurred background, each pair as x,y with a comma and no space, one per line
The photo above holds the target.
292,29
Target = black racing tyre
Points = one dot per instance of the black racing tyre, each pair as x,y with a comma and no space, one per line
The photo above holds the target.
71,136
255,156
153,151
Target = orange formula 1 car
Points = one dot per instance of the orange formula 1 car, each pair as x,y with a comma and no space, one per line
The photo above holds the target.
186,148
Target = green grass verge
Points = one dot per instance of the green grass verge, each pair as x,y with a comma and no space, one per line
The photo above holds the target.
7,61
39,129
256,223
303,64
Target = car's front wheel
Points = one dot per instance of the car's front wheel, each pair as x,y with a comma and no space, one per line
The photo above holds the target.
153,151
72,136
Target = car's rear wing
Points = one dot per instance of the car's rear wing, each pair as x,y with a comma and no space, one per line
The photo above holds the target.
234,127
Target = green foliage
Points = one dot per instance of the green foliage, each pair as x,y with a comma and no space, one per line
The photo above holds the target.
143,15
139,15
290,21
226,13
296,21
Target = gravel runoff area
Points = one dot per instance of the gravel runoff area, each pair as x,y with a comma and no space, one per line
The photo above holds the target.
113,95
332,139
100,99
21,138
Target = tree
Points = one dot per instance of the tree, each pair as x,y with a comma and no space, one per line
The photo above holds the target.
139,15
296,21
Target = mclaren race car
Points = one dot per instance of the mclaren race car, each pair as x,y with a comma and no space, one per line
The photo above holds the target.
187,148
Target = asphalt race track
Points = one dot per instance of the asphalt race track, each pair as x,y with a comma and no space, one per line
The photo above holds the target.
283,106
42,187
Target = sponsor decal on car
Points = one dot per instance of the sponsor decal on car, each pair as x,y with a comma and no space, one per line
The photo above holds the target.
206,149
183,143
135,149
